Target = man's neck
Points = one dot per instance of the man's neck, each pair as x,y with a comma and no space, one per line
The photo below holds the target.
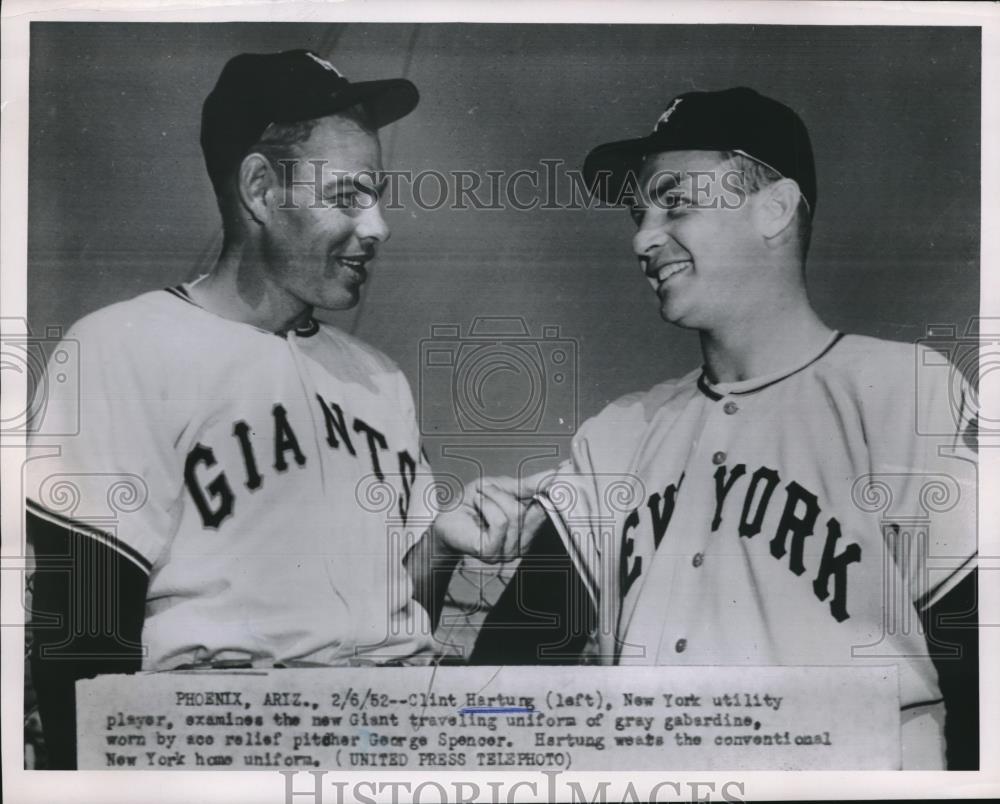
238,289
763,344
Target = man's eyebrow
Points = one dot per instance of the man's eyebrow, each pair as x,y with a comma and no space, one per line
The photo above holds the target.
349,182
339,181
664,182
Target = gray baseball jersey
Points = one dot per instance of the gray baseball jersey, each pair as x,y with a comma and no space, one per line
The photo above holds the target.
263,482
793,519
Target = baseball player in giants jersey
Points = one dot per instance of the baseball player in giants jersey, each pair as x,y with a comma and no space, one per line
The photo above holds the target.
220,504
775,506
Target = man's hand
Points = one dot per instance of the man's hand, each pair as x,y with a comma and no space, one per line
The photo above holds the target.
494,522
496,519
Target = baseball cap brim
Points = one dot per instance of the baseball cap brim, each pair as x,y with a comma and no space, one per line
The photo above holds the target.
386,100
608,167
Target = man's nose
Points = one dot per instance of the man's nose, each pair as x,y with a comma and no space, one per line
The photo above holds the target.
648,239
371,226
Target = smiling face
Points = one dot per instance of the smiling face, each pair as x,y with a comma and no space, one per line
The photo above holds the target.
696,239
326,225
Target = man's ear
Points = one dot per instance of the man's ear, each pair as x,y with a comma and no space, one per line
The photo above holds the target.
776,207
256,182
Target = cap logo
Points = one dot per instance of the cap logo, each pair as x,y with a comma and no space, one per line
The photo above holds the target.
666,114
325,64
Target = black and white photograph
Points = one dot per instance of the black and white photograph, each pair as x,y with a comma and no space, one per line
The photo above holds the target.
444,406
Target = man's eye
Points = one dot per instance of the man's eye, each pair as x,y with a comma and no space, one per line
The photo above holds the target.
341,200
674,201
637,213
677,205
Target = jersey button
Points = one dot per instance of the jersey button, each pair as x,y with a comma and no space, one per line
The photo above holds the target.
680,645
719,457
730,408
697,560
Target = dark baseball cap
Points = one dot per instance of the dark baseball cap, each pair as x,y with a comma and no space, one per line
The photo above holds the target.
257,89
738,119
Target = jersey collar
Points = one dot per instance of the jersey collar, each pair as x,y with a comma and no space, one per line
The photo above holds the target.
306,329
716,391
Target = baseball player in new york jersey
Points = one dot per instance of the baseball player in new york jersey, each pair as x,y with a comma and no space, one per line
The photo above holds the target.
743,523
217,505
776,506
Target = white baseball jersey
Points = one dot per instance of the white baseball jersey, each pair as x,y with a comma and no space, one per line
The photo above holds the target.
794,519
267,484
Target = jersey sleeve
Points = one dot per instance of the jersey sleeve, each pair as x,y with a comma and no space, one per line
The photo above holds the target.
925,476
587,496
590,491
101,458
571,499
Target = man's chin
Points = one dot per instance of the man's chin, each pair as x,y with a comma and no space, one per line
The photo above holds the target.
667,313
673,316
344,305
344,299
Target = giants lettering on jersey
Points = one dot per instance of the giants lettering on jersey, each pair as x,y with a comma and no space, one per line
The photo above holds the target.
215,499
752,495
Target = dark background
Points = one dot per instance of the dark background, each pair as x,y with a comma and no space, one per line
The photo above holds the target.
120,203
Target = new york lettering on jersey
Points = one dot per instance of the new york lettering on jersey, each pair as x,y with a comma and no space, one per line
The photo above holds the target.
748,538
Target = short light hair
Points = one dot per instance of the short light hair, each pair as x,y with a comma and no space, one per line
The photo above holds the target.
281,140
755,176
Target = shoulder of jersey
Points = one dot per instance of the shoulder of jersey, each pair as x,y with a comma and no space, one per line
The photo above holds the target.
639,408
865,347
869,361
363,352
162,318
138,320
